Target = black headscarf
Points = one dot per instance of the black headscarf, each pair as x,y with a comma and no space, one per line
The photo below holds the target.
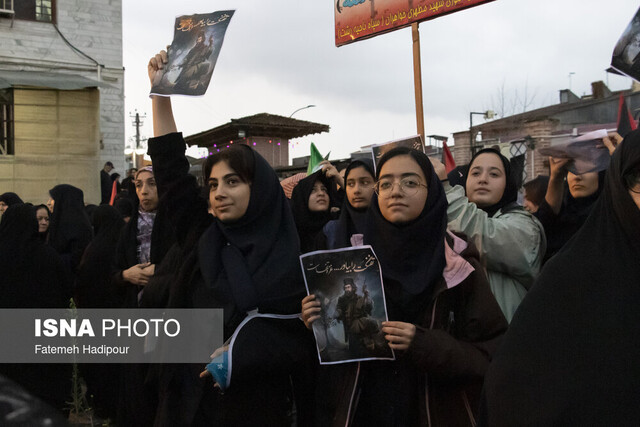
70,230
411,255
570,356
574,211
510,195
351,220
580,207
10,199
18,228
308,223
253,262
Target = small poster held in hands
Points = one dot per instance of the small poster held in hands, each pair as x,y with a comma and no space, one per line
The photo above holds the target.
378,150
348,284
193,54
587,152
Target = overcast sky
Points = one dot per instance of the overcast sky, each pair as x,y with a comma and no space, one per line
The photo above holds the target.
280,55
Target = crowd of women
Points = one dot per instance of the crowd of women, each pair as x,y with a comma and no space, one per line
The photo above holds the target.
483,333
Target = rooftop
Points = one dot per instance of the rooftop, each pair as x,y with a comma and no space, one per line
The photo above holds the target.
263,124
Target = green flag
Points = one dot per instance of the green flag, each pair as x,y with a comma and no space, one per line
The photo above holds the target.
314,159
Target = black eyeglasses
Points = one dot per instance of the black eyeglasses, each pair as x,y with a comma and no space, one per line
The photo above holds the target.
408,186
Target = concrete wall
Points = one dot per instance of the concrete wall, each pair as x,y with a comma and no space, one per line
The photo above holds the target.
95,28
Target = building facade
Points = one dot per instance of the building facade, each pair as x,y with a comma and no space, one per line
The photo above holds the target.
527,132
61,95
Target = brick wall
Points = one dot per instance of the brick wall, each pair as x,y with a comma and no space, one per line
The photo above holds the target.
461,151
540,131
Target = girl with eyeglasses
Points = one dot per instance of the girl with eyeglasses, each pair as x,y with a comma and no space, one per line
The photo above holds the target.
510,240
445,323
571,354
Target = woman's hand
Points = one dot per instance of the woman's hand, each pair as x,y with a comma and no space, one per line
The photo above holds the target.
156,66
310,310
612,141
215,354
332,173
139,274
558,168
399,334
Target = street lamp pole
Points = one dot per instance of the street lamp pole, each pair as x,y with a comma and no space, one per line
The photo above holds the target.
308,106
487,115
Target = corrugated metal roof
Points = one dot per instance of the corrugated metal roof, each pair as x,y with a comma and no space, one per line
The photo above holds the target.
12,78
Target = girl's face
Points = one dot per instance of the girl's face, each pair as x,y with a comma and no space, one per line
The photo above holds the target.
582,185
402,190
147,191
359,185
43,220
486,181
319,198
229,195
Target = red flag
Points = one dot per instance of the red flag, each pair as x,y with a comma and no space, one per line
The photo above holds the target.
625,120
447,158
114,191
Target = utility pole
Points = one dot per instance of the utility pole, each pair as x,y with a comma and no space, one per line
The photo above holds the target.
137,123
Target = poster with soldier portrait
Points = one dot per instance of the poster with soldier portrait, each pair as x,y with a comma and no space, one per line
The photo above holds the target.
193,54
348,285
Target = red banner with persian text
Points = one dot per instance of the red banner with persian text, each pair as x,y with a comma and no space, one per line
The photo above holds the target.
360,19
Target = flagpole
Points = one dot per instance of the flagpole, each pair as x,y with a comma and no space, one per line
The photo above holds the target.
417,78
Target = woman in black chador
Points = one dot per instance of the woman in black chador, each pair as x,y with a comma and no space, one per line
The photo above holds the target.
243,260
70,231
32,275
571,354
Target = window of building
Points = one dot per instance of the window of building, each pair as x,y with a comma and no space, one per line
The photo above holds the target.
35,10
6,122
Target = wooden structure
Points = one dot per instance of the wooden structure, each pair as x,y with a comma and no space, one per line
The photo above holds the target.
268,134
57,140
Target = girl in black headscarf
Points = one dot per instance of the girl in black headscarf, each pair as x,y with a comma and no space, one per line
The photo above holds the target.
510,240
33,276
348,229
567,203
243,260
311,201
571,354
70,231
445,321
